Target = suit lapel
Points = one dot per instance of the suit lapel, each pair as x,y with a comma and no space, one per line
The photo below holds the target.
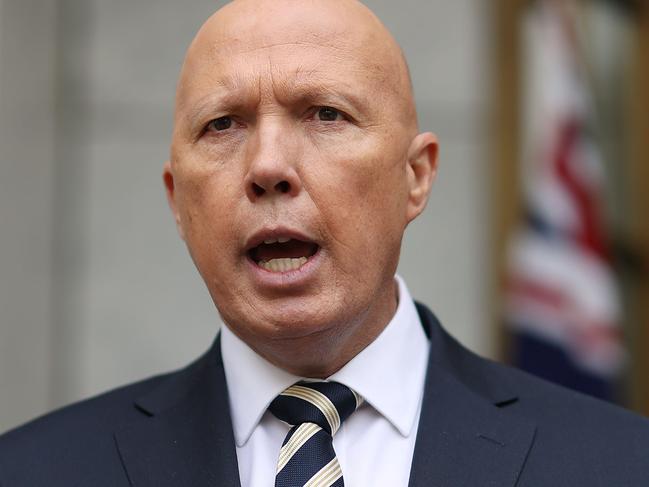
466,436
184,437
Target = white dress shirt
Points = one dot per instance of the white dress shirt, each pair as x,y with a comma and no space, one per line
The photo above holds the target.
375,444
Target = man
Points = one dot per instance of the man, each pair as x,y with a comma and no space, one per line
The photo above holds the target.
296,165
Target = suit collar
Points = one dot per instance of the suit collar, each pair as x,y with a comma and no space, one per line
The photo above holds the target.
185,434
466,436
478,375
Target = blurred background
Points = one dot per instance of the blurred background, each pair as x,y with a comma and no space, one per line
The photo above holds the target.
534,248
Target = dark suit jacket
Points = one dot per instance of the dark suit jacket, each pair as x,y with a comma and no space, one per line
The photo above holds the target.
482,424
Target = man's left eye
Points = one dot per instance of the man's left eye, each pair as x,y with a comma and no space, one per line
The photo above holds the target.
328,114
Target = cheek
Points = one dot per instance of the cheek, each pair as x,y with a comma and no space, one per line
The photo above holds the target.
360,168
206,213
363,196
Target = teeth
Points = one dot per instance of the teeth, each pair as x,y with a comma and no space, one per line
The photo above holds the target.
275,240
283,265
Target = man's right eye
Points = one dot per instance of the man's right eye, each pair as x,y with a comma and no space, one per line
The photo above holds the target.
219,124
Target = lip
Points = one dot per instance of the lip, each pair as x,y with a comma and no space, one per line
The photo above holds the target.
276,281
260,236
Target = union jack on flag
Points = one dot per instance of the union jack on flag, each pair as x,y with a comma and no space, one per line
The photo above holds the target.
562,303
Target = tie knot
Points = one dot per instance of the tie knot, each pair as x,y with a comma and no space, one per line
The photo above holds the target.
326,404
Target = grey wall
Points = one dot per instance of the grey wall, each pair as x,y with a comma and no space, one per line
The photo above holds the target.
95,287
27,141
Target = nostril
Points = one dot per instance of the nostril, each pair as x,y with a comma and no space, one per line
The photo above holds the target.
258,190
283,187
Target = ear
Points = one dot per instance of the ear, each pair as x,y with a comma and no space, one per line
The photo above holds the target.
422,169
168,179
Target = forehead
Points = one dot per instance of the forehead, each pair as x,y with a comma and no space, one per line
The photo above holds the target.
280,69
282,54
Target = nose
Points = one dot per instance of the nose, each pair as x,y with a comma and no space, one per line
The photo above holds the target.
272,170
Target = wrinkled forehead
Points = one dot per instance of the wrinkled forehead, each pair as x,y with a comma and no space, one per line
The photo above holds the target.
277,51
279,69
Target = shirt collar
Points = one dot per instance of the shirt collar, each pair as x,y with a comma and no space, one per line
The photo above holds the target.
389,373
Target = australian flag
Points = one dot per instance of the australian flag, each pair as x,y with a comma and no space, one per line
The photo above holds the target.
562,303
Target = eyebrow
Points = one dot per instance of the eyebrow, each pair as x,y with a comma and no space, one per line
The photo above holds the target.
302,87
319,91
207,107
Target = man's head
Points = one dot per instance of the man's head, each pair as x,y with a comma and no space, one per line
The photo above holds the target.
295,121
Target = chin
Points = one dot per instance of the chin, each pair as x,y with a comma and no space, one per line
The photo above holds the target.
287,319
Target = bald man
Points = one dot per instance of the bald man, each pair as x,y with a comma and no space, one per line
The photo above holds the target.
296,165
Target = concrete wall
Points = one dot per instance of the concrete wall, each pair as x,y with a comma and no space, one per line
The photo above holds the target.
117,297
27,142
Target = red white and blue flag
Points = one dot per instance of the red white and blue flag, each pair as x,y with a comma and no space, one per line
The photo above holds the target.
562,304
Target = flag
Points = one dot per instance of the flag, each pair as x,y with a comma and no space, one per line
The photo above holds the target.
561,299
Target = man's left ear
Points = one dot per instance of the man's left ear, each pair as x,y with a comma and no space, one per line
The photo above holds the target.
422,169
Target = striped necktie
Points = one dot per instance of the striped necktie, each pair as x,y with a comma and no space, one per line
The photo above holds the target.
315,411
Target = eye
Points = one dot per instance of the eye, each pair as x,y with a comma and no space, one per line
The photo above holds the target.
219,124
328,114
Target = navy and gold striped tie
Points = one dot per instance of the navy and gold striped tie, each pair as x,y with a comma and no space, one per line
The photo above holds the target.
315,410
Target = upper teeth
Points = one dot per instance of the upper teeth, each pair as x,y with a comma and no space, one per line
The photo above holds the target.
275,240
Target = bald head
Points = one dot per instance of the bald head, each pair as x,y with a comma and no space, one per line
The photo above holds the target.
345,26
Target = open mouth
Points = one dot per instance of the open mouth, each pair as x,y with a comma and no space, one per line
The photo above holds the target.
282,254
